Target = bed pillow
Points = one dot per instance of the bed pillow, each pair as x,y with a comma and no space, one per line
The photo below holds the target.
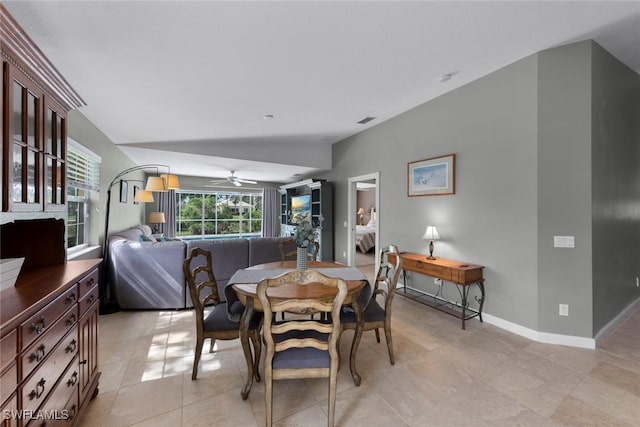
371,223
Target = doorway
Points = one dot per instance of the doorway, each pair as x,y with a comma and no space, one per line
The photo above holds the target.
368,209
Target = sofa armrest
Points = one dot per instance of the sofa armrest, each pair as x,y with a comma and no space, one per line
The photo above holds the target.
147,274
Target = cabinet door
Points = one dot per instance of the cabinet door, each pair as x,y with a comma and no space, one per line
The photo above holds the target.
55,154
88,350
22,143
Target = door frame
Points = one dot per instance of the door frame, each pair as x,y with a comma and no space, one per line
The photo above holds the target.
351,222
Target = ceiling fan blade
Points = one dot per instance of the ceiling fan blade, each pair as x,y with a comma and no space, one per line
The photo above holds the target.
237,183
246,181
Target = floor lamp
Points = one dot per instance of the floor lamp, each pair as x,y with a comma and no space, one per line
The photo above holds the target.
159,182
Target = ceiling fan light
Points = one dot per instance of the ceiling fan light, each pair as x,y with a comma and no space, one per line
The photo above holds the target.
171,181
156,183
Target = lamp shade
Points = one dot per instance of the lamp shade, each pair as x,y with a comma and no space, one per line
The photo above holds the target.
156,183
361,211
143,196
431,233
171,181
156,218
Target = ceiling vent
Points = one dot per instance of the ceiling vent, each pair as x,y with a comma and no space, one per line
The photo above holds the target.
366,120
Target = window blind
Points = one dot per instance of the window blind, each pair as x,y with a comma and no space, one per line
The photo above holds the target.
83,167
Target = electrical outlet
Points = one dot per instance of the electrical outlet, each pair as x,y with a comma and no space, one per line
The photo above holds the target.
563,310
637,282
437,281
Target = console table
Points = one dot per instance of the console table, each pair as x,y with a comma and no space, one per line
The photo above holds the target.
461,274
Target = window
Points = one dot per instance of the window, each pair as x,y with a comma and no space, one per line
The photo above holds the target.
83,178
207,215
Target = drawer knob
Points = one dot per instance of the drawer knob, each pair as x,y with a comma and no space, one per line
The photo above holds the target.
91,299
38,355
83,362
73,411
38,327
90,282
39,390
73,380
71,348
71,320
71,299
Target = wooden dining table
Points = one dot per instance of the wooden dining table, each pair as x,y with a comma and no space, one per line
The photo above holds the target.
246,293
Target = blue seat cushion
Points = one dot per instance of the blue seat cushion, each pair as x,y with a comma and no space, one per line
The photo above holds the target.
373,313
296,358
218,318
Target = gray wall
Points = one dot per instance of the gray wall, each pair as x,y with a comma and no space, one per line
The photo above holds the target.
525,138
492,219
616,186
564,188
114,161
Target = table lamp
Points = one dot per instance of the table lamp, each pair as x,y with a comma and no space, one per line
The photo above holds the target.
156,218
431,234
361,213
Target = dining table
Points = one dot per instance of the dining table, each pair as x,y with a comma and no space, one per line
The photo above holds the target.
243,284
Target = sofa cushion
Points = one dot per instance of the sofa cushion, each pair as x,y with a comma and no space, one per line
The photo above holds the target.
264,249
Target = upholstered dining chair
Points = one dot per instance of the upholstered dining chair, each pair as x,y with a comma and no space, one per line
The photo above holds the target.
288,250
214,325
302,348
377,313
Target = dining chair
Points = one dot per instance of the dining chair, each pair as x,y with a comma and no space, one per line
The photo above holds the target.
378,315
215,324
288,250
301,348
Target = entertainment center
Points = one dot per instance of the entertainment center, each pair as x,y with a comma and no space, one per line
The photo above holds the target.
311,199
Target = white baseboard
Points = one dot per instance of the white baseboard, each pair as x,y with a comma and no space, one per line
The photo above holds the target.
544,337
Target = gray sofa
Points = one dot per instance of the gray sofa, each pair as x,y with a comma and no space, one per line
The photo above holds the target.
148,274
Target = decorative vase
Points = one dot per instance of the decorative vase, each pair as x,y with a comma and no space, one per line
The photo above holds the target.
301,258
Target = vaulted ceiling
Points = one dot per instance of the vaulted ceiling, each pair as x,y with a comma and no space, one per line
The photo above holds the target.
265,88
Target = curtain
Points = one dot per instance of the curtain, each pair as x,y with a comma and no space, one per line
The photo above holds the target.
167,204
270,216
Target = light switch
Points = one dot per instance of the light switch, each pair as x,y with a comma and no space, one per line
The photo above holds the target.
564,242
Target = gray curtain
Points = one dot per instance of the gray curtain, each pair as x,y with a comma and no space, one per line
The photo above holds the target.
167,204
270,214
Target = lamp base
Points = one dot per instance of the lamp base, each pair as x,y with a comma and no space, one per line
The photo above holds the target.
431,257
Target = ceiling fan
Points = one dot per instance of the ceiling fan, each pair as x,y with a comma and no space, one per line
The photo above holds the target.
233,180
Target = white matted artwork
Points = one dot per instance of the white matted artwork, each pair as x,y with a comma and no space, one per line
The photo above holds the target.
432,177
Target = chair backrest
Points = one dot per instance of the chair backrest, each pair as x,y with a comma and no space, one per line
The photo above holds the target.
205,291
288,250
327,296
388,274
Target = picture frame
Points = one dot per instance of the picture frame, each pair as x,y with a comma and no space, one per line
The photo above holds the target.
124,189
135,191
434,176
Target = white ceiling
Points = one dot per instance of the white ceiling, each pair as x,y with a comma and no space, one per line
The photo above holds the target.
188,83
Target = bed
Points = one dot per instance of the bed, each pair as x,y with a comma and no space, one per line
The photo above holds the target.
366,234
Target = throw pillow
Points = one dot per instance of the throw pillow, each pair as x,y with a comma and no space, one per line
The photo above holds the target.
144,238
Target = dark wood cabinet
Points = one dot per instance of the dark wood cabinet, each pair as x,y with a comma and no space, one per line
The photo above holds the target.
49,343
35,102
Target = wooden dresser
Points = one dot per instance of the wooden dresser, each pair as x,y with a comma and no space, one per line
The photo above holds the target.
461,274
49,345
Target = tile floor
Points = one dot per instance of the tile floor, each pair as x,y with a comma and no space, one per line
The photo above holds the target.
443,376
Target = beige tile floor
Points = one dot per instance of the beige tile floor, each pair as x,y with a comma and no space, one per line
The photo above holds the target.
443,376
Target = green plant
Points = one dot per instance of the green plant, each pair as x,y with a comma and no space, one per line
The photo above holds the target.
305,234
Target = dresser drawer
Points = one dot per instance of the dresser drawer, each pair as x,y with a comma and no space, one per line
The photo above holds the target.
44,345
8,349
59,397
40,322
35,390
87,283
427,268
88,299
8,382
9,413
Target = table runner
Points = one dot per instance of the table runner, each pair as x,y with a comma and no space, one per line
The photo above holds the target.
244,276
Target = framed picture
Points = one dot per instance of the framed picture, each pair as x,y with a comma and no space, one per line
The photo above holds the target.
135,191
432,177
124,189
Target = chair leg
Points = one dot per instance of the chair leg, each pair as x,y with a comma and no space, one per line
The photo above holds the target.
387,335
333,380
257,350
377,335
212,342
196,357
268,396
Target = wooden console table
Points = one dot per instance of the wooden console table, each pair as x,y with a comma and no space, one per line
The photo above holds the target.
461,274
